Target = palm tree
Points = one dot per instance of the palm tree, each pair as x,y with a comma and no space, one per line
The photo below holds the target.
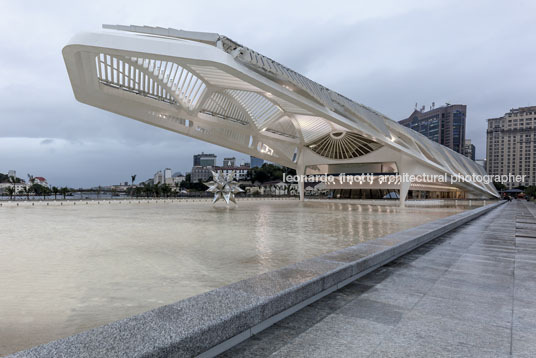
166,190
31,179
55,190
64,190
10,191
147,189
13,180
133,178
157,189
46,192
27,190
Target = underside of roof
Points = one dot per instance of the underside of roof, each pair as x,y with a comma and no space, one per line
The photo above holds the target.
210,87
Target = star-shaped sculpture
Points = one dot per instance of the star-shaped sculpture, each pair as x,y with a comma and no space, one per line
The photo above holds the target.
223,186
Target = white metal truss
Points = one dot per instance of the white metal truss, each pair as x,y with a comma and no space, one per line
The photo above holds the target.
210,87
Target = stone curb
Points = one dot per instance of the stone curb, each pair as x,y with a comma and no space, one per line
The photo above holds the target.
210,323
84,202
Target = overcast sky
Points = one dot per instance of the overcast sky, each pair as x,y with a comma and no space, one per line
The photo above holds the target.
385,54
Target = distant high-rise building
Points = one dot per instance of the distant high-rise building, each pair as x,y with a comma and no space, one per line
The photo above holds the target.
167,176
255,162
12,173
197,160
481,162
200,173
158,177
445,125
204,160
178,178
511,145
469,149
229,162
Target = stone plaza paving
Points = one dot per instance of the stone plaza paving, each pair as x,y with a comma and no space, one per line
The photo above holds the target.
468,293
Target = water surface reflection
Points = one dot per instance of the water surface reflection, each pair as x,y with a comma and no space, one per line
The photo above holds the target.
65,269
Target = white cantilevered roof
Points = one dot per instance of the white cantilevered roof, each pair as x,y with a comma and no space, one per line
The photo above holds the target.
210,87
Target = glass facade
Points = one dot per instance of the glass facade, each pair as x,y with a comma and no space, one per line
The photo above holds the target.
429,126
458,130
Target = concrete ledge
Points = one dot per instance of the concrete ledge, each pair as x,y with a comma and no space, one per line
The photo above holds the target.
210,323
409,202
82,202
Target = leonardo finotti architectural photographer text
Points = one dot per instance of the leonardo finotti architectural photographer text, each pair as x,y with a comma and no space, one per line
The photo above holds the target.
370,178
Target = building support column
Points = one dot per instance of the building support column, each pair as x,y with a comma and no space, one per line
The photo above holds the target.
405,165
404,188
300,170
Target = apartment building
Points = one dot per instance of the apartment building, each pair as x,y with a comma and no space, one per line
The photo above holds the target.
511,145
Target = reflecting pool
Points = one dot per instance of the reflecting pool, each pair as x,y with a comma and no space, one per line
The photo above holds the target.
65,269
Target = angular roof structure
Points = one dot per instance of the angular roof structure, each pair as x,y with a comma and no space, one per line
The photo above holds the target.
207,86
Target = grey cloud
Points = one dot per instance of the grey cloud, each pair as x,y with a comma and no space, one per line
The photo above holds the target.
47,141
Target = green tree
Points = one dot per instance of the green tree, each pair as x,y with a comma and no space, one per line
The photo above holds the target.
64,191
27,190
157,190
10,191
55,191
269,172
177,189
166,190
38,189
31,179
13,180
147,189
499,186
46,192
531,191
133,178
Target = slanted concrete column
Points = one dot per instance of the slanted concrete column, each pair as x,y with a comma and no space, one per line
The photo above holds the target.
300,170
405,165
404,188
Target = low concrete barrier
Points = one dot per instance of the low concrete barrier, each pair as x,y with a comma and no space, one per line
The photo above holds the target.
409,202
210,323
81,202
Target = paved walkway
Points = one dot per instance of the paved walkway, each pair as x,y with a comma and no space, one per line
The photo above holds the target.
469,293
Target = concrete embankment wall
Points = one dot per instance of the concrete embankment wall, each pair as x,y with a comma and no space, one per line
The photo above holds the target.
388,202
74,202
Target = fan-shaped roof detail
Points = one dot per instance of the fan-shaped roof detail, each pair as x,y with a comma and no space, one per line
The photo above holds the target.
343,145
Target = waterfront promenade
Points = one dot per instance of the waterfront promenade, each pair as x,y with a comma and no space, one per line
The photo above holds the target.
468,293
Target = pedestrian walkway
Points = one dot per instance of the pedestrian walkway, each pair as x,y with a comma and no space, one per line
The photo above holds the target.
469,293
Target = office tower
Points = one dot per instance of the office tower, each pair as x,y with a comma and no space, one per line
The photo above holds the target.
445,125
511,145
204,160
469,149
